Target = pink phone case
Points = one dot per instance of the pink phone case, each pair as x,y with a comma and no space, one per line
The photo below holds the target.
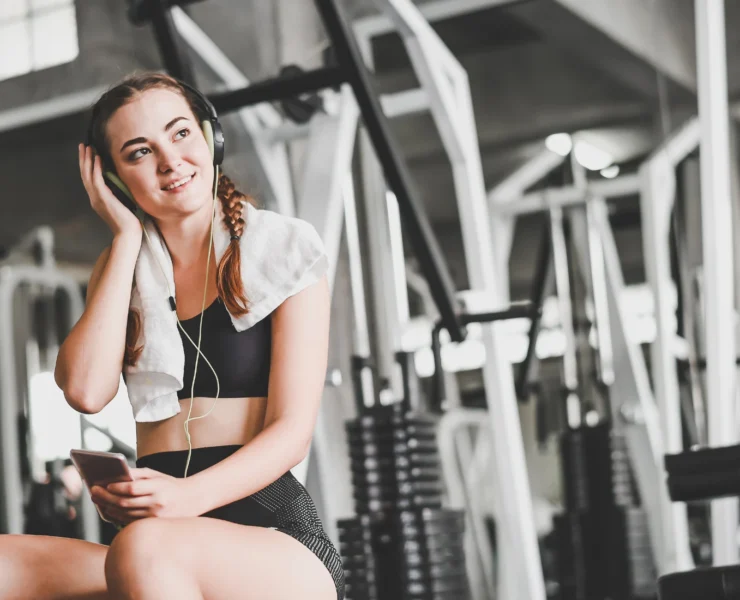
100,468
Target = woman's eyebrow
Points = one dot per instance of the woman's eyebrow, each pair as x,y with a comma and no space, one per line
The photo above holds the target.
141,140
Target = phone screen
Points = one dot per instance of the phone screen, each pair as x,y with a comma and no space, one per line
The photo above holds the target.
101,468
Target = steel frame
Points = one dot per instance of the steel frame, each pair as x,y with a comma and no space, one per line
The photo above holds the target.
718,254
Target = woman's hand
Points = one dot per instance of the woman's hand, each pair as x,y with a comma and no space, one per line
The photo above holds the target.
119,218
151,494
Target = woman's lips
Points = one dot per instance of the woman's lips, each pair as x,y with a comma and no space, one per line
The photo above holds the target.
182,187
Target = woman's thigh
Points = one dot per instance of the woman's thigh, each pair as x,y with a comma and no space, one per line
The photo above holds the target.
41,567
227,560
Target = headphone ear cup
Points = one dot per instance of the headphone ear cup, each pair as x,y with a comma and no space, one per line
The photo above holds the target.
215,139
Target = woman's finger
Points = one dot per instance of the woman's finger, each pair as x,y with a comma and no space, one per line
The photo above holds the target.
83,165
145,473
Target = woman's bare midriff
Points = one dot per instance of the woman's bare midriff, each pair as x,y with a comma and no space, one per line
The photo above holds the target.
232,421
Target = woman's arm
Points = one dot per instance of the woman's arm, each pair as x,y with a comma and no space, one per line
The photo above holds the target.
300,348
89,363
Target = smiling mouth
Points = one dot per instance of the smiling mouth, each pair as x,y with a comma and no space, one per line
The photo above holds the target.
179,183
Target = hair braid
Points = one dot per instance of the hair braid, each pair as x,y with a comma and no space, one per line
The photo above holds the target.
229,278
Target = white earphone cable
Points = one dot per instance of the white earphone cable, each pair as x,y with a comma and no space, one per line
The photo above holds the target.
200,329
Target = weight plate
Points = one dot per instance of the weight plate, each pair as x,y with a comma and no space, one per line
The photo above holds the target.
439,571
404,489
390,451
439,546
428,515
355,548
441,586
400,504
422,560
409,530
390,464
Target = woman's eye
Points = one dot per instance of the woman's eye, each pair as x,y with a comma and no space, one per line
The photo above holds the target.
186,131
135,154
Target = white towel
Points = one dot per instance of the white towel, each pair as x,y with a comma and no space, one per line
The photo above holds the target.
280,256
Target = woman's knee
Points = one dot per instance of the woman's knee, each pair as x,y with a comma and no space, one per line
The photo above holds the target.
134,551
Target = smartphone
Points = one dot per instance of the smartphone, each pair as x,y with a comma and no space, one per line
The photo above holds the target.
100,468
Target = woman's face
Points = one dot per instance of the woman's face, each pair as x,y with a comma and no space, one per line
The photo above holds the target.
160,153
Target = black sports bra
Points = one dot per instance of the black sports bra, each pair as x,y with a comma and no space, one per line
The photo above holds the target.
241,358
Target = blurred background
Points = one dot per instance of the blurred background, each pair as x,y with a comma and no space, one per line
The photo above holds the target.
531,211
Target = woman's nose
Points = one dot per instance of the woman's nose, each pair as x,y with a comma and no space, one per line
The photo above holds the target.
169,160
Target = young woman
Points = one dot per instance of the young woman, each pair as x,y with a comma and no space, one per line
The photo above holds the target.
239,525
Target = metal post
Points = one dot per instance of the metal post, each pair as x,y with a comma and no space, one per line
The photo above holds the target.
656,202
565,309
322,203
711,59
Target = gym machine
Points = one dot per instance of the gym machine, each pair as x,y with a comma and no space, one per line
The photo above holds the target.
36,299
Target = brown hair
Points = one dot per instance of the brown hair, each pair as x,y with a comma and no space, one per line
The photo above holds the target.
228,275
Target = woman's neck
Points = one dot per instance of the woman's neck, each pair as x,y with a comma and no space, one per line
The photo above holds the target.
188,238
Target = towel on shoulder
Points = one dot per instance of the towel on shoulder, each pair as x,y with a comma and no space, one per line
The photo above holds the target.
280,256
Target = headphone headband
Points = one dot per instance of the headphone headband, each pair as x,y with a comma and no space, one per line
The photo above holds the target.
214,134
210,109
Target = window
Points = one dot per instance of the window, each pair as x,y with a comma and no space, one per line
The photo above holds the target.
36,34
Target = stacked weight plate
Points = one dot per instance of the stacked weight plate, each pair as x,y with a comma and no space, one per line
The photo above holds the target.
355,547
432,560
417,545
394,460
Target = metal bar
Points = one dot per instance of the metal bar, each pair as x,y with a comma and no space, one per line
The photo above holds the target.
562,287
539,290
376,216
168,40
361,335
277,88
695,410
404,103
656,203
140,11
716,203
517,310
599,296
375,25
417,225
512,187
568,196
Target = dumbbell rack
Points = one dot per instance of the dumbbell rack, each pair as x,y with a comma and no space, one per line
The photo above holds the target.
402,545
